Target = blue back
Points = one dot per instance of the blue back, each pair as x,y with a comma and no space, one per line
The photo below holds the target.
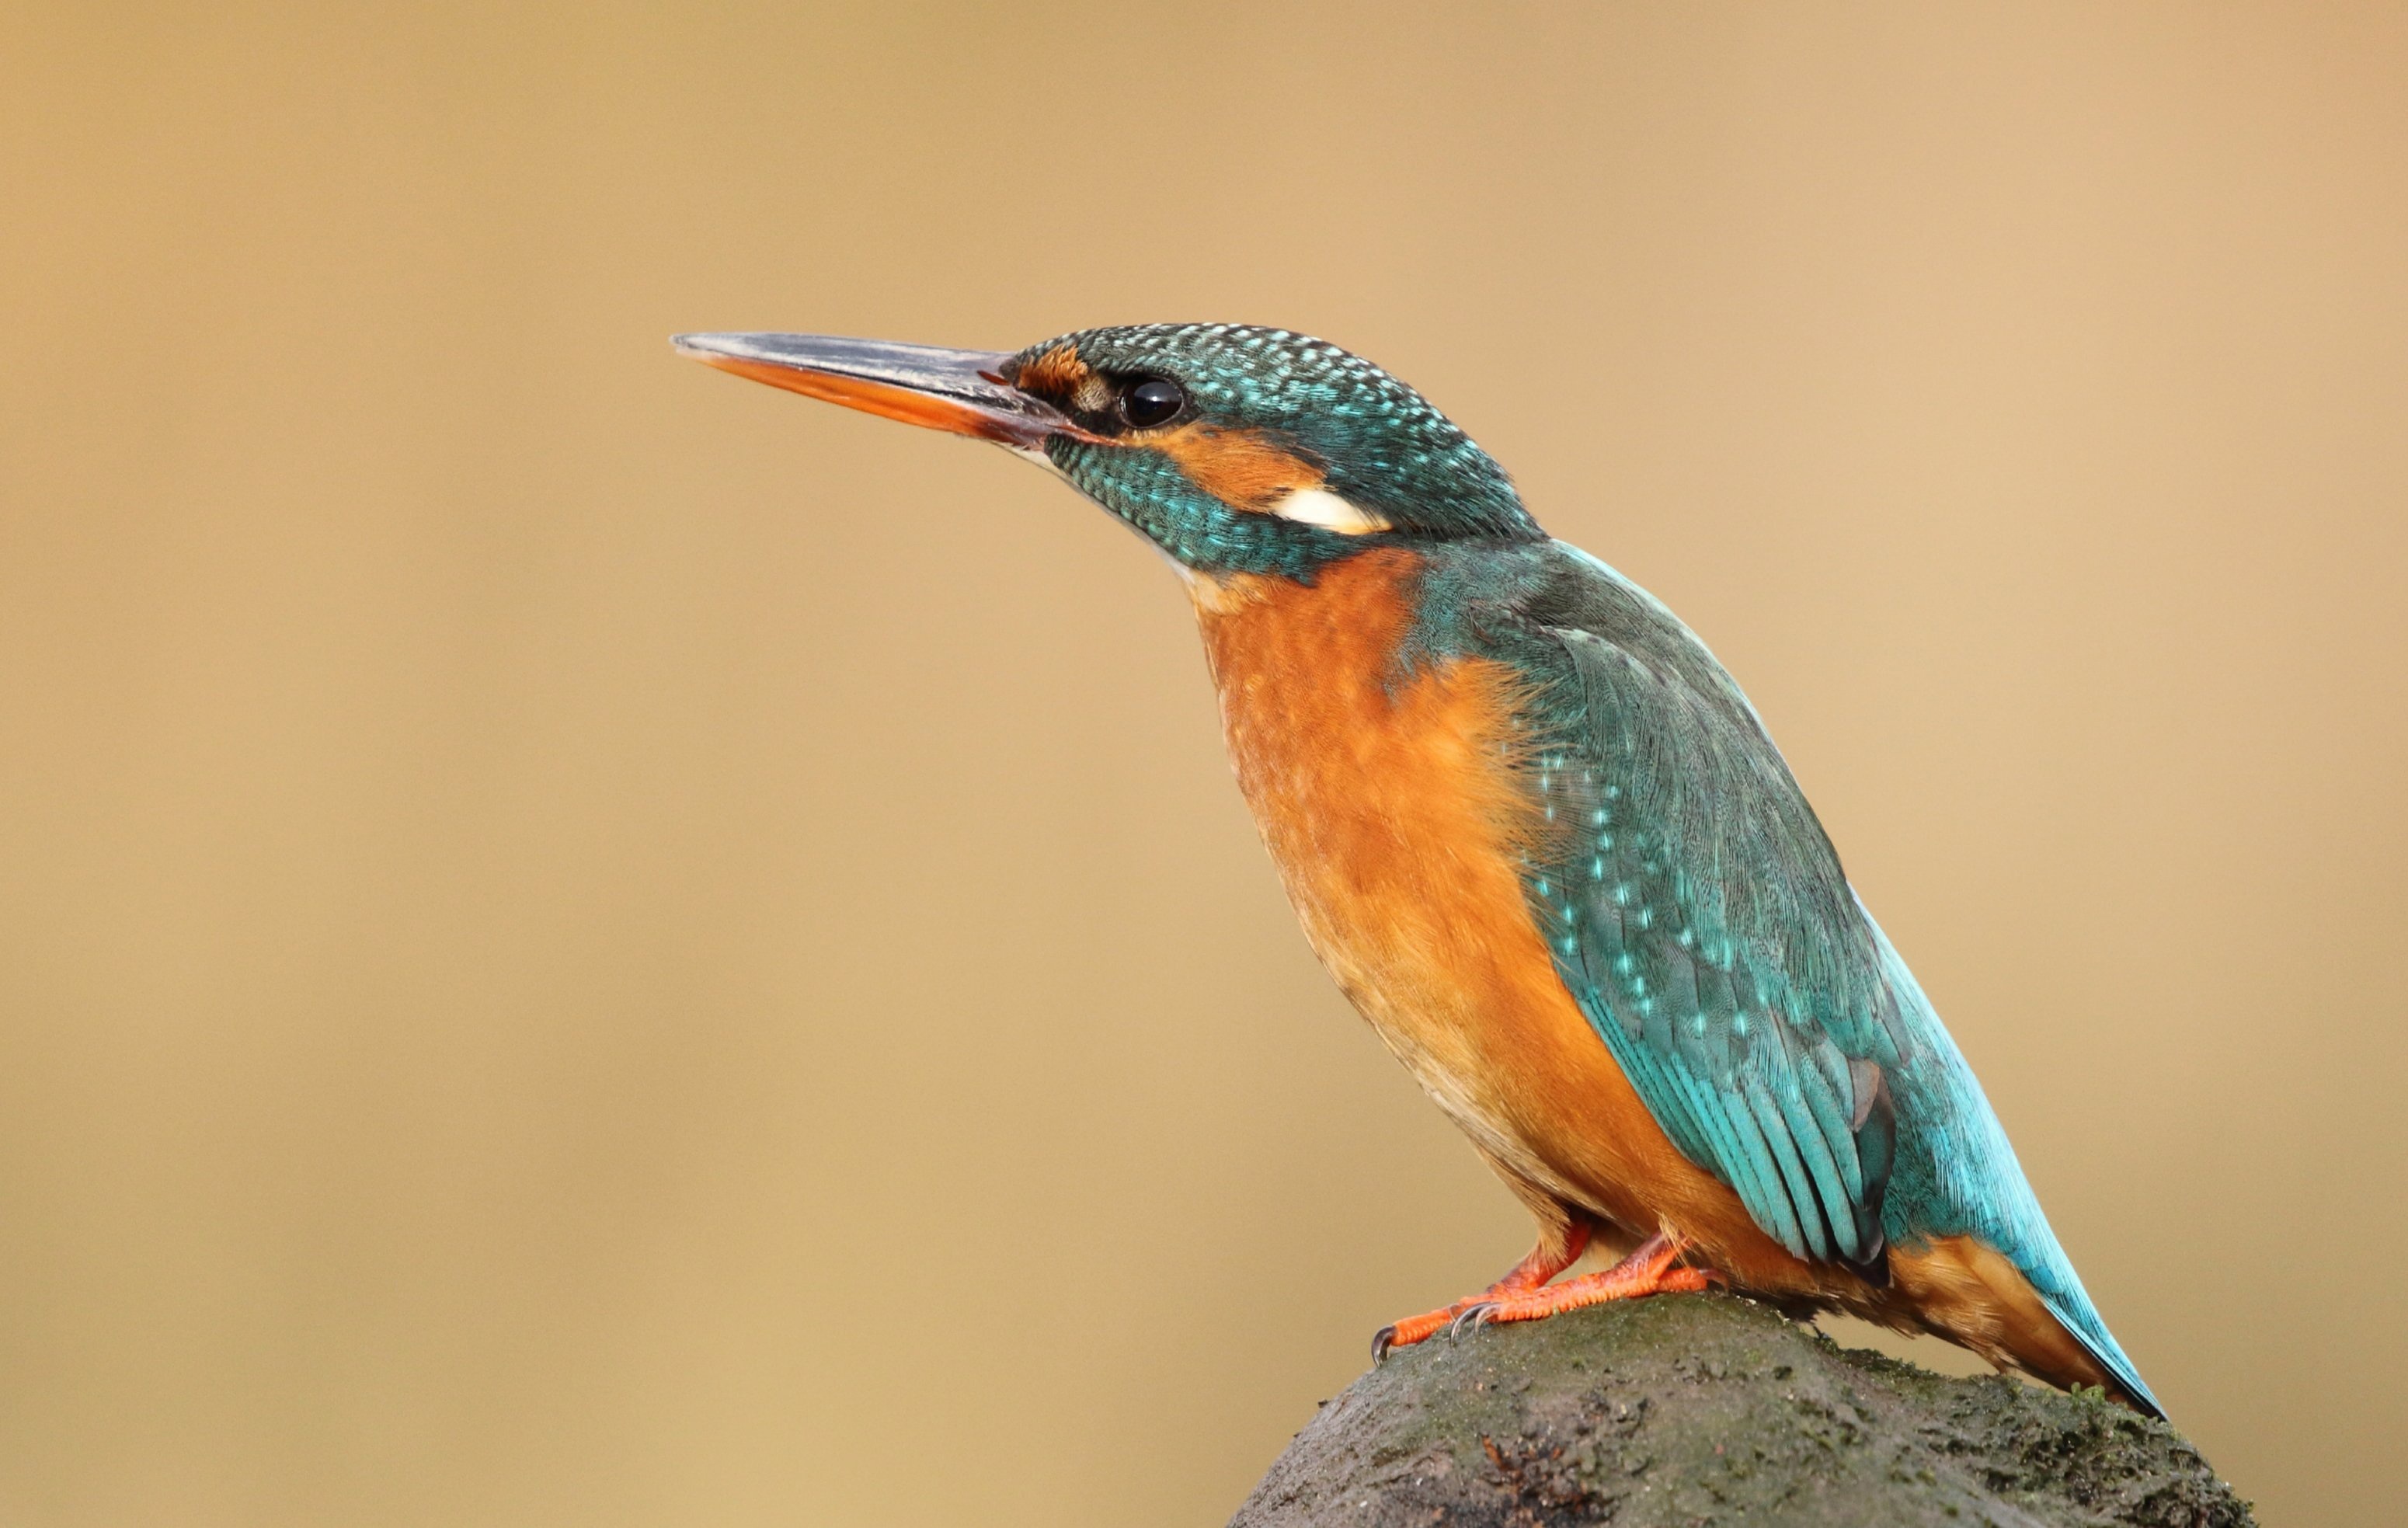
1695,909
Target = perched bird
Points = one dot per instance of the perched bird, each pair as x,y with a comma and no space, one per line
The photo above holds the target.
1540,838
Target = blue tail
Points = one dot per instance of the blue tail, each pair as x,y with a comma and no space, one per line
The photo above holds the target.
1957,1175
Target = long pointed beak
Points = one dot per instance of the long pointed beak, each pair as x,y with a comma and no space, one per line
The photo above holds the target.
960,390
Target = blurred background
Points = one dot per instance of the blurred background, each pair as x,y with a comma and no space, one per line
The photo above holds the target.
584,942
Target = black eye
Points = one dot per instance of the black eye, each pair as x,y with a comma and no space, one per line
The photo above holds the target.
1150,402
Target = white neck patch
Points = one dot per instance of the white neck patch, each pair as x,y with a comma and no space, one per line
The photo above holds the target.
1320,506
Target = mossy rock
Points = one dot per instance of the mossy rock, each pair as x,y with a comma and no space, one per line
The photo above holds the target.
1706,1410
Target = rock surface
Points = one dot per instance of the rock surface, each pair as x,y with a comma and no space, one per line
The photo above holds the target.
1702,1409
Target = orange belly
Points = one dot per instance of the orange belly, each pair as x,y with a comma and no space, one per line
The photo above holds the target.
1396,815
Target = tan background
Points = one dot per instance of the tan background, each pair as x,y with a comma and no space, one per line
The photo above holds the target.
585,943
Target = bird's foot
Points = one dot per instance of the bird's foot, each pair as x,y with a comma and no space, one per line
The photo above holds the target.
1648,1270
1531,1272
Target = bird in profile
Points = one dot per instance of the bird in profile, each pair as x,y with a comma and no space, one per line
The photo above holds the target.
1538,836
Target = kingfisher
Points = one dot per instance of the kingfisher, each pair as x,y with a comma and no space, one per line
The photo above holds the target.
1538,836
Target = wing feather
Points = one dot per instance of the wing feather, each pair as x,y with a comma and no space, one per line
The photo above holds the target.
1704,923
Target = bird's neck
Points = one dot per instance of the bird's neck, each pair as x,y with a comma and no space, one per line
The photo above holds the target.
1342,625
1333,702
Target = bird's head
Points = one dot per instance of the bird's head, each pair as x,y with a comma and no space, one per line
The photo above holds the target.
1235,449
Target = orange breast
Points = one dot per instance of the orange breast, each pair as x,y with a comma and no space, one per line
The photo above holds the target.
1395,814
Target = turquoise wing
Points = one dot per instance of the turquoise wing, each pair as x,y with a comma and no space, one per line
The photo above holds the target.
1695,908
1698,911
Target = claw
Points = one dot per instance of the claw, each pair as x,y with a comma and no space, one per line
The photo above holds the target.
1545,1261
1472,1317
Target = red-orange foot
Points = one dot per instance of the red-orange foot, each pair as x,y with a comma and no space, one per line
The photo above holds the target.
1531,1272
1647,1270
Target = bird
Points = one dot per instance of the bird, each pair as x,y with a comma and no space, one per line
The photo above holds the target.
1538,836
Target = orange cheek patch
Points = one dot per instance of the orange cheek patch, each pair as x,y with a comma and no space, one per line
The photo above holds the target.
1241,468
1247,469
